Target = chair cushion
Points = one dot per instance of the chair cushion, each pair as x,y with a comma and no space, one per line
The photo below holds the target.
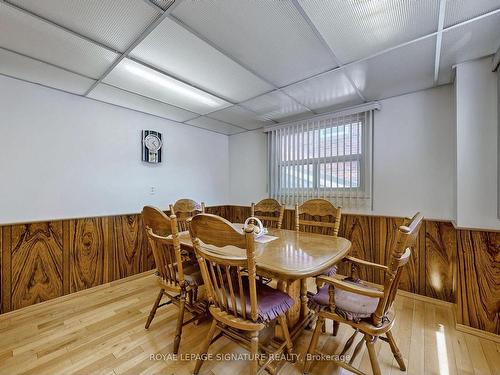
350,306
192,274
330,271
271,302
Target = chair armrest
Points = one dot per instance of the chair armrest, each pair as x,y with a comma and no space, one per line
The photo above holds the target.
349,287
365,263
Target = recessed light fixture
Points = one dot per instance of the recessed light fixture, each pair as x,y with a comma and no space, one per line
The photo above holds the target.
171,84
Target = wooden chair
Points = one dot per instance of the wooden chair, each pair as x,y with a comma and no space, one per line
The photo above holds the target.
270,212
183,209
177,279
318,216
366,307
240,306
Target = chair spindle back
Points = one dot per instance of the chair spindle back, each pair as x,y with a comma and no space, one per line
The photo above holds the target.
166,246
318,216
270,212
185,208
406,238
227,262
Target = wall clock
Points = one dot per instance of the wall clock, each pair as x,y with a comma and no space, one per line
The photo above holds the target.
151,146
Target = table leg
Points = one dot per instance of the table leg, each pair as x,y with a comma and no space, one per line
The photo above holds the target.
297,289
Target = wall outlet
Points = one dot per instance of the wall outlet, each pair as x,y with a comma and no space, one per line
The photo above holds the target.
152,190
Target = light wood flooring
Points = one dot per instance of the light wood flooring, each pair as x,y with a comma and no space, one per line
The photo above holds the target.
101,331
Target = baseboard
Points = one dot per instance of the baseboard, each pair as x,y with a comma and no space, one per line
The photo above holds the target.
430,300
478,332
60,299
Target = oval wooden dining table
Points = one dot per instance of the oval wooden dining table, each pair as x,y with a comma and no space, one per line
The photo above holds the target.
291,257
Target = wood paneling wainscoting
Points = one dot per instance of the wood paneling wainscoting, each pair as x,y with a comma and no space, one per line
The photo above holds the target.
42,261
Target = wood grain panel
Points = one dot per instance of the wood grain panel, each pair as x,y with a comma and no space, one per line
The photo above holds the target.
129,245
478,292
440,260
89,247
37,256
5,269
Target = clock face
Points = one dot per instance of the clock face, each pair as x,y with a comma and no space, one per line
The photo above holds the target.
152,142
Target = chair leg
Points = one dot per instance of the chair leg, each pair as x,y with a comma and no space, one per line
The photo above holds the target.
395,351
152,313
286,333
180,320
313,344
370,341
204,348
336,326
254,351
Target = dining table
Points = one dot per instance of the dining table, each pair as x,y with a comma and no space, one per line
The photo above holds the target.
290,257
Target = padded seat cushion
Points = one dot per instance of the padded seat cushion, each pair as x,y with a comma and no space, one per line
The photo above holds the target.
350,306
192,274
270,302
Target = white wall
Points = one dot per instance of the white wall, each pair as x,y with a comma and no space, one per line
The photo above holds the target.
477,147
64,156
413,154
413,157
247,167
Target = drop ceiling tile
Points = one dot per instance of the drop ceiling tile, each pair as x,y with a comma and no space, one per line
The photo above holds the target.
25,68
358,29
115,23
215,125
326,92
239,116
274,106
134,77
173,49
399,71
30,36
271,37
467,42
113,95
462,10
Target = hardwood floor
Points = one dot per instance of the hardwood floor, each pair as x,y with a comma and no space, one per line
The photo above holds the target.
101,331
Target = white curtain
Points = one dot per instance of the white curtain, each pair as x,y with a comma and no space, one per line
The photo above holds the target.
329,156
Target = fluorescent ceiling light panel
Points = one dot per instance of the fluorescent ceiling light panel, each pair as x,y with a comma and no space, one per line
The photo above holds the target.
175,50
145,81
113,95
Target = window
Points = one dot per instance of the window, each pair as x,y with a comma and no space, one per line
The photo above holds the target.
324,157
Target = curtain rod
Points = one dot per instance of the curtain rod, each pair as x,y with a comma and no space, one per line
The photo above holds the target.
341,112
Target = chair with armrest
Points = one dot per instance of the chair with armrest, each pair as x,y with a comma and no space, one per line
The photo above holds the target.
366,307
270,212
177,279
241,307
185,208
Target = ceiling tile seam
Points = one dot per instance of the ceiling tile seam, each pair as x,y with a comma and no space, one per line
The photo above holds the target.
177,78
153,99
134,44
439,39
112,104
65,29
232,125
327,46
474,19
229,123
153,5
47,63
232,58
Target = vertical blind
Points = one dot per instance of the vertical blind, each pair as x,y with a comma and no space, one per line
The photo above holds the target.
326,157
